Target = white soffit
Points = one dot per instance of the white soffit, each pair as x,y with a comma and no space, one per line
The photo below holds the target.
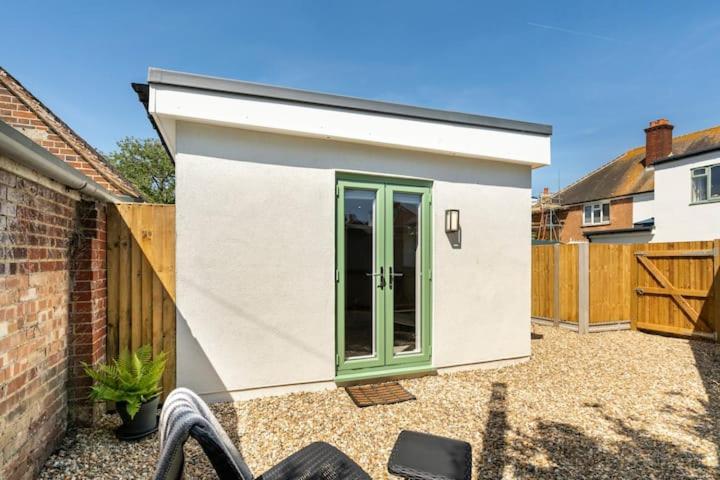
168,103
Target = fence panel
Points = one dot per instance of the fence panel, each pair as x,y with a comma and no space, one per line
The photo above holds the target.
568,282
660,287
610,288
141,281
543,292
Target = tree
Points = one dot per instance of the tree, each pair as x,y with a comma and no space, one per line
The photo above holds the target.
146,164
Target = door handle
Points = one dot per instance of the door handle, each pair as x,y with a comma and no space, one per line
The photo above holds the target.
393,275
381,275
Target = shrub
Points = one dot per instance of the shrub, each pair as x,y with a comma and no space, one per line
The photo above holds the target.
134,378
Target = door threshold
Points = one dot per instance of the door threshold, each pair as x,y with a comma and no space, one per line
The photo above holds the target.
344,379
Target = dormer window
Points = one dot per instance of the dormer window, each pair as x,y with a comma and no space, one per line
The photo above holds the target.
706,183
596,213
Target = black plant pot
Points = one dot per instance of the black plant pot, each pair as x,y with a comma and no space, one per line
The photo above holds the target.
144,423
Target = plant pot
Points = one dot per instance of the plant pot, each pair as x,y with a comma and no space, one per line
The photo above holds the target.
144,423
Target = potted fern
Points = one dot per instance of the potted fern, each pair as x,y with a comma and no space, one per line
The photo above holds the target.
133,383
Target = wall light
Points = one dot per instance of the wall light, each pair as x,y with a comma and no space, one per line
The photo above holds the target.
452,221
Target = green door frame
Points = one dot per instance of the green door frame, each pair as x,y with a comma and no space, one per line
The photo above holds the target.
385,362
379,340
425,248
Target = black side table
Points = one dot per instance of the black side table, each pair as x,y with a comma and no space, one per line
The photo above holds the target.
423,456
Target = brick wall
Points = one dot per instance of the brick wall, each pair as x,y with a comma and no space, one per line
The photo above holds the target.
88,304
17,114
621,216
23,111
44,235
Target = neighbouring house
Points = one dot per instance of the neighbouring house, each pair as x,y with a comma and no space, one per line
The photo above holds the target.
665,191
54,189
324,239
687,196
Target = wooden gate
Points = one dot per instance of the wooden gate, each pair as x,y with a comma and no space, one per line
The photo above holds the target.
141,281
675,288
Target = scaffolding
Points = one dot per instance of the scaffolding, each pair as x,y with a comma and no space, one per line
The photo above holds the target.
549,224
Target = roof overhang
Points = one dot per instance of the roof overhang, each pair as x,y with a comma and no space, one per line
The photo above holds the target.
174,96
673,158
636,228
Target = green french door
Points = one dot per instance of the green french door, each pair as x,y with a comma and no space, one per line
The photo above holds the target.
383,275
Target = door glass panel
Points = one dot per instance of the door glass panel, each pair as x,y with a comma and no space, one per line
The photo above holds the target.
406,272
360,291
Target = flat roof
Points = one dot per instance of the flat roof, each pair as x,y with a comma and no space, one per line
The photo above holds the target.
202,82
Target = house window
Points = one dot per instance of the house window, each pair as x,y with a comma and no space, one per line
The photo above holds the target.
706,183
597,213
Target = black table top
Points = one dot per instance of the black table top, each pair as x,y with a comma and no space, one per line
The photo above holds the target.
423,456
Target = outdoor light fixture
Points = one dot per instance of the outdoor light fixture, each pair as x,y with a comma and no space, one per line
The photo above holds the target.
452,221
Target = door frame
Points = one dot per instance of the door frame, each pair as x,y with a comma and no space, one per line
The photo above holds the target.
395,365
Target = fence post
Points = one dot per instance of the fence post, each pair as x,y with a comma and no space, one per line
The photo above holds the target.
583,288
634,285
556,284
715,312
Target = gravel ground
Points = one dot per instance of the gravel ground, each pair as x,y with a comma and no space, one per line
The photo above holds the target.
605,405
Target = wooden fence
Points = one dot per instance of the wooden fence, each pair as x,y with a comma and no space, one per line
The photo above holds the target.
660,287
141,281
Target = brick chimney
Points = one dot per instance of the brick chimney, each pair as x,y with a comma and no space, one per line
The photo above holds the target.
658,141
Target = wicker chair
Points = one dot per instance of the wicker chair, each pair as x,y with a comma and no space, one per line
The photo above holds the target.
186,415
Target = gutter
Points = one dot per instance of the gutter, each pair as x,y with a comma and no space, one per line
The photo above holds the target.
47,116
21,149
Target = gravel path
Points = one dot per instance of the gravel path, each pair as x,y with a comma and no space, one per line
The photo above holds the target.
605,405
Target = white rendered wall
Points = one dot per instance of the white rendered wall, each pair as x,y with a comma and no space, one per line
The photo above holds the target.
643,206
676,219
256,254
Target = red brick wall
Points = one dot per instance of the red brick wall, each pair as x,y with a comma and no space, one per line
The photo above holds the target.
21,110
16,114
621,216
41,335
88,304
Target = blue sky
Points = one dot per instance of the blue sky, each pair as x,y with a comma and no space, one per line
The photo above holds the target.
597,71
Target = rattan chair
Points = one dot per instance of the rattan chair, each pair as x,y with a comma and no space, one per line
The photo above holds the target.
185,414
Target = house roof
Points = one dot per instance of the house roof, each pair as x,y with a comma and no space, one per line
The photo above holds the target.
35,116
626,174
202,82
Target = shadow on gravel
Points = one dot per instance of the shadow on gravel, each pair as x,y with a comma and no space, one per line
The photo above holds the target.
492,458
707,362
567,452
572,454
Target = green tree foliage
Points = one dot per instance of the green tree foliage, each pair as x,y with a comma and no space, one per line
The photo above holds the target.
133,378
146,164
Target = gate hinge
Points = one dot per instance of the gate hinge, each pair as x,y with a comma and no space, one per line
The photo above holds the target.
337,359
337,190
337,275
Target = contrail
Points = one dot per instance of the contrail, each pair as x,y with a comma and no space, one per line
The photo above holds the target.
572,32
